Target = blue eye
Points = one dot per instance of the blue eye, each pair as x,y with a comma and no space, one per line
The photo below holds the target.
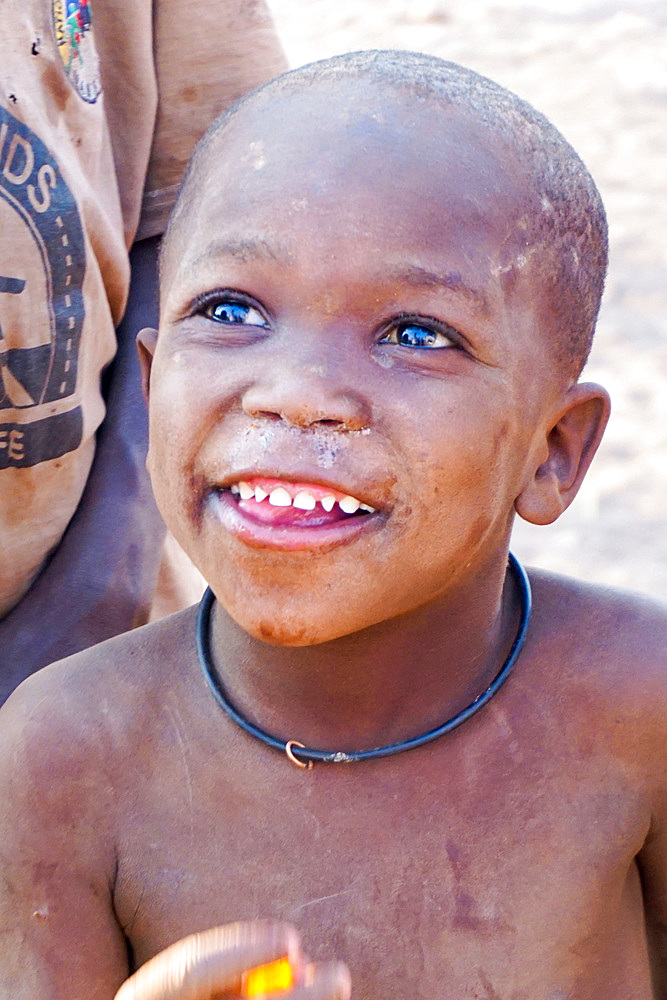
409,334
234,313
415,336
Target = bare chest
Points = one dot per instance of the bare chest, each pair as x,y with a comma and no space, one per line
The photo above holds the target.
451,872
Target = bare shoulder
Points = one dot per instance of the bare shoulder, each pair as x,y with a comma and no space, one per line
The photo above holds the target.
613,627
76,716
104,676
608,649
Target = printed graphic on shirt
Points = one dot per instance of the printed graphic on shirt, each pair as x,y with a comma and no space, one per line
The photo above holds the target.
42,266
73,26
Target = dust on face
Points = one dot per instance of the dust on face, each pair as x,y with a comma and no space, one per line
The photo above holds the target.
337,316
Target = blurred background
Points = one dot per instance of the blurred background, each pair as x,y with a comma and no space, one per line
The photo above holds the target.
598,70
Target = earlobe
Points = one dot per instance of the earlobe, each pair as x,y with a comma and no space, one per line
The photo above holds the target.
575,433
146,343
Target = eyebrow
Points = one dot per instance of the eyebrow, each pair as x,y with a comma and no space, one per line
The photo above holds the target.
244,248
256,248
413,274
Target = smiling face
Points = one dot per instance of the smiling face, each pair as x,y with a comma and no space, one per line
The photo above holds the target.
348,393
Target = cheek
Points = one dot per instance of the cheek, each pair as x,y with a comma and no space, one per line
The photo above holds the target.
463,478
184,400
177,422
461,449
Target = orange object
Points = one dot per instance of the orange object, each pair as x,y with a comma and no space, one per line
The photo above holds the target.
274,977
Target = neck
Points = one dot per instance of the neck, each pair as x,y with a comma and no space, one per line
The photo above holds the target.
382,685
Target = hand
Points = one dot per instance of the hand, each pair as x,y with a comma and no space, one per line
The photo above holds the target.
209,966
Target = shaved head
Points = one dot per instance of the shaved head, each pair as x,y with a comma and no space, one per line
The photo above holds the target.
561,241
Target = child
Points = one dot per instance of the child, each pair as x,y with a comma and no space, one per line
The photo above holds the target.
378,291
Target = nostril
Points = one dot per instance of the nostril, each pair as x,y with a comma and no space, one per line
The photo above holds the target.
268,414
304,405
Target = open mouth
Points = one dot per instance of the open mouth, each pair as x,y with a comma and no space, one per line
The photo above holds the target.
289,515
284,503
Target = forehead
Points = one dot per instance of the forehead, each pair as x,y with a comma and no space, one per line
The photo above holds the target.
361,159
352,130
346,181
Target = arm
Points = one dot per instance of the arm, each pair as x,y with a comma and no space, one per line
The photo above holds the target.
650,668
59,935
208,53
653,868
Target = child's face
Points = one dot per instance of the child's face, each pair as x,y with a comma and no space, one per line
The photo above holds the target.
333,232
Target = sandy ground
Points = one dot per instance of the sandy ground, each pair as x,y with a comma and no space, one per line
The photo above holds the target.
598,70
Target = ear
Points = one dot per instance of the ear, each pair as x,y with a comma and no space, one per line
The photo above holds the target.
146,343
576,431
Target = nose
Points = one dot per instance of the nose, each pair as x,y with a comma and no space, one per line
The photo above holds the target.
307,398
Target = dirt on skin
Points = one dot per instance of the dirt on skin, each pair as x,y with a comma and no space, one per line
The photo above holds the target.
598,70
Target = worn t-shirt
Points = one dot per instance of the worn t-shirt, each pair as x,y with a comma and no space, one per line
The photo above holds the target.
101,103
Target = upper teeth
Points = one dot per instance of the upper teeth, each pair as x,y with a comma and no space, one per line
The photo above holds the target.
279,497
349,505
303,499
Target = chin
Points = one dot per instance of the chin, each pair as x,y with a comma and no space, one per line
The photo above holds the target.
290,621
285,629
280,633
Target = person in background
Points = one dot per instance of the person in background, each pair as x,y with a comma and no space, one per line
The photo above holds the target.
96,127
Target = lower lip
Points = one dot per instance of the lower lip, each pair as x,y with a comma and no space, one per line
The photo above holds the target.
287,538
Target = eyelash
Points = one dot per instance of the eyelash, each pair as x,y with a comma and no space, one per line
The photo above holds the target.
430,326
405,321
207,303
